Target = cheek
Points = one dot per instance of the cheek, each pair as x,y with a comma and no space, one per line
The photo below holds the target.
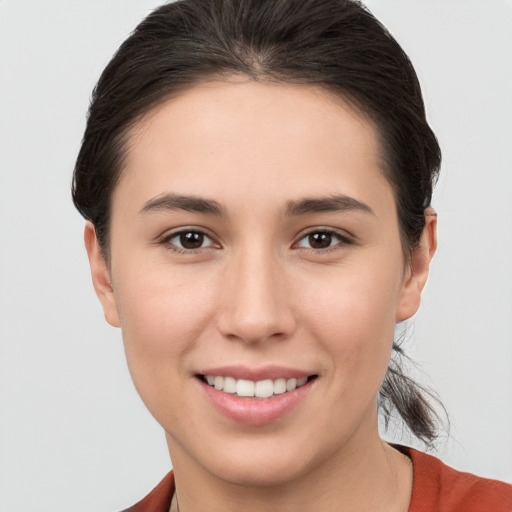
163,311
163,315
353,315
355,302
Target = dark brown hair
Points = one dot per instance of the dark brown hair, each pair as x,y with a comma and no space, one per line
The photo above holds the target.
335,44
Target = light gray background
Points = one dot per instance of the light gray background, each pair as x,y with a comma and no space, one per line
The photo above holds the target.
74,436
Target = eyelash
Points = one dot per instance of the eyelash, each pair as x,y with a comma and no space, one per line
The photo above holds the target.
166,241
339,237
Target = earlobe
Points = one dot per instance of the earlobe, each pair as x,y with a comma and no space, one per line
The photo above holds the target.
100,274
410,295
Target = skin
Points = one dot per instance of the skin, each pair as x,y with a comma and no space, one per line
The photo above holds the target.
257,293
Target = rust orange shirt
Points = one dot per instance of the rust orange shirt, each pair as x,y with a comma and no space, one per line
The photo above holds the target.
436,488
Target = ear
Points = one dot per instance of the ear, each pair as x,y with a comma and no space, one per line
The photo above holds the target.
101,276
416,276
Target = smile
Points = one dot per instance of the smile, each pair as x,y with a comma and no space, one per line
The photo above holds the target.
258,389
260,398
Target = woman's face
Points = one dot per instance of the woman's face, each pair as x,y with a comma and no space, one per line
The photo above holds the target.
255,237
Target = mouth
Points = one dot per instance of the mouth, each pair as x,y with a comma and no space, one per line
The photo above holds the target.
266,388
256,395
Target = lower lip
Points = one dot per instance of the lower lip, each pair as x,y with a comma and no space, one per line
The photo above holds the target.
256,411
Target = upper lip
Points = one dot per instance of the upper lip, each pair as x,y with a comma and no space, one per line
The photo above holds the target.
255,374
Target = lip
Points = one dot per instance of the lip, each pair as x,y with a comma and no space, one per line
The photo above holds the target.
256,374
255,411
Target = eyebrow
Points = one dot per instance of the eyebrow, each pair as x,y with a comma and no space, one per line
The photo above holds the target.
181,202
335,203
305,206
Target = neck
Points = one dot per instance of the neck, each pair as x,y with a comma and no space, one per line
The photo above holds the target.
376,478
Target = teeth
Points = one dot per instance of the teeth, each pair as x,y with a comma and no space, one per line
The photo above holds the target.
244,387
219,382
229,385
264,388
291,384
279,386
248,388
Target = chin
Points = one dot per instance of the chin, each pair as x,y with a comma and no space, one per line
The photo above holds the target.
258,473
266,463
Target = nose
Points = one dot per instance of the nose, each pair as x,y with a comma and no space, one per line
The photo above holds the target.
255,304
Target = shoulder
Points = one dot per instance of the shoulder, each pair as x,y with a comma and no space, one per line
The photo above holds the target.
440,488
159,499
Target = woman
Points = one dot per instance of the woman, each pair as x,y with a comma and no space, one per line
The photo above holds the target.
257,179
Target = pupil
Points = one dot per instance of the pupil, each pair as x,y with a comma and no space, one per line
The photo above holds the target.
192,240
320,240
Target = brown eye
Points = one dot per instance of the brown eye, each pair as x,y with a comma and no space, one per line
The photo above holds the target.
191,239
323,239
188,240
320,240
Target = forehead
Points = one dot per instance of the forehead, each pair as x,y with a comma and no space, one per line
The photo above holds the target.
244,135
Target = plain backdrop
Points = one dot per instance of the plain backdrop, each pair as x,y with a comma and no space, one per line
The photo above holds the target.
74,436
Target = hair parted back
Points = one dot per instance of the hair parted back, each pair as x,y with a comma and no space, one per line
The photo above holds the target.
334,44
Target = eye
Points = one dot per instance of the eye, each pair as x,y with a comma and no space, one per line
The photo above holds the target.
322,239
188,240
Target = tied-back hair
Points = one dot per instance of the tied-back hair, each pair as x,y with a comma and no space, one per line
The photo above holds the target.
334,44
